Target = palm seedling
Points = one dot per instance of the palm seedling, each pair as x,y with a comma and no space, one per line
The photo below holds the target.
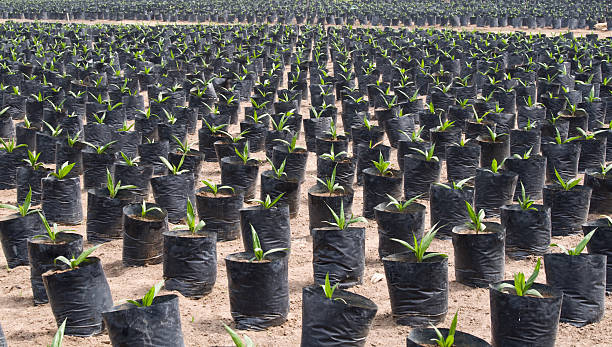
328,289
382,165
24,209
174,169
400,206
114,189
330,183
428,154
74,263
522,287
268,203
215,188
476,219
62,171
333,155
258,253
579,247
449,340
147,300
144,210
524,201
239,342
455,185
420,248
52,231
340,220
279,171
567,185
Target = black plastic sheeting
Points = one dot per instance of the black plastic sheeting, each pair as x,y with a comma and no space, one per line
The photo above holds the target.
399,225
422,337
568,209
61,200
272,225
258,290
335,323
341,253
80,296
518,321
418,291
447,208
190,262
14,233
42,254
221,213
582,279
479,258
143,242
527,232
158,325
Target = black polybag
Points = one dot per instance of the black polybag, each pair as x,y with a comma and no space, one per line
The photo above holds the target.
272,226
239,175
527,231
601,198
479,258
518,321
462,161
9,161
447,208
142,237
41,255
61,200
95,166
157,325
601,243
493,190
522,141
221,213
376,187
582,279
531,172
318,201
564,158
14,233
80,296
418,290
335,323
341,253
399,225
172,191
345,170
29,178
273,186
258,290
569,209
419,174
295,162
105,214
190,262
139,176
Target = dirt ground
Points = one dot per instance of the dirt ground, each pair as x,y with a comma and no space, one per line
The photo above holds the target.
202,320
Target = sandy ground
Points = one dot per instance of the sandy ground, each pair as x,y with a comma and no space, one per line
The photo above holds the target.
202,321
